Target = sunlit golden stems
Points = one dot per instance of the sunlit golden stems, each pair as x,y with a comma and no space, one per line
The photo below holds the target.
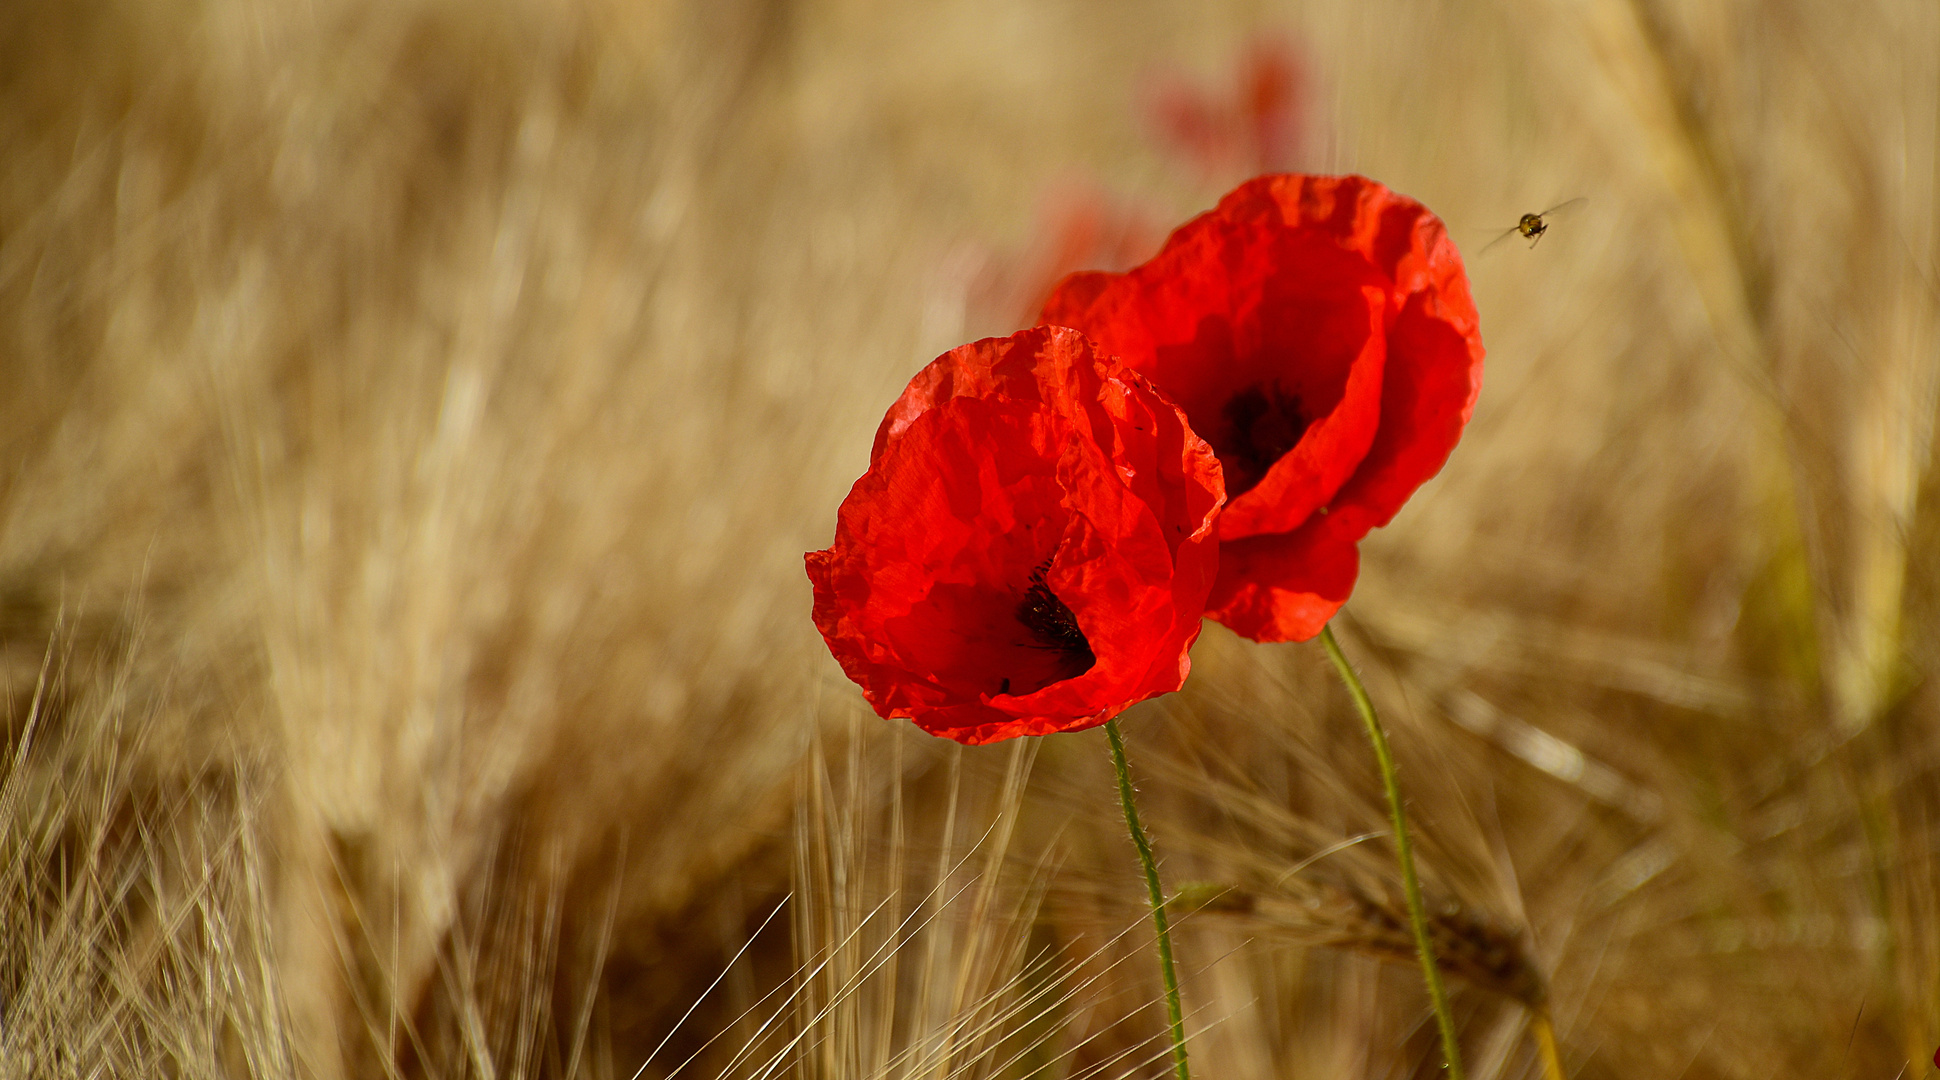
1417,915
1546,1044
1157,896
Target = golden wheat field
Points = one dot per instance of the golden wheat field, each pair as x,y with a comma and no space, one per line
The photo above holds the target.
413,415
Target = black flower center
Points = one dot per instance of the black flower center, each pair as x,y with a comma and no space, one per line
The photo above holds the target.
1054,629
1264,423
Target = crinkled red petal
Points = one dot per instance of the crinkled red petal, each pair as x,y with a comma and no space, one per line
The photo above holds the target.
1434,374
1284,587
1349,305
1008,462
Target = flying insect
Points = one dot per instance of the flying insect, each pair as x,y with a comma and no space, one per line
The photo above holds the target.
1533,226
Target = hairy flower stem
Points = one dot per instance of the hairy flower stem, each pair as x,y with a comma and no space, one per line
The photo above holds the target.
1157,895
1417,914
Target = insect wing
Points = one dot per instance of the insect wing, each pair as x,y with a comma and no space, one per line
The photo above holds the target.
1506,234
1533,226
1564,208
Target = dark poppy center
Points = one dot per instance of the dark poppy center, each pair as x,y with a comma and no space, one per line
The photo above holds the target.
1054,629
1263,423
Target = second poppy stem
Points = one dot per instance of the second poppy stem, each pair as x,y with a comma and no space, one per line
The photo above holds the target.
1157,895
1417,912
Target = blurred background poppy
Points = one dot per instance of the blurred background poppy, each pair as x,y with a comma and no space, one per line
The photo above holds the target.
412,416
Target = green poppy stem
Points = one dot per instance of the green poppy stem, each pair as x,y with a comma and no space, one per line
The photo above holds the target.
1157,896
1417,913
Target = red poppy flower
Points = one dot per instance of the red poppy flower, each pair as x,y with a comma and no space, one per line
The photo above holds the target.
1031,548
1318,332
1256,126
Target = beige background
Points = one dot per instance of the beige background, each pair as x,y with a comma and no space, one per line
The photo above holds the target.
412,416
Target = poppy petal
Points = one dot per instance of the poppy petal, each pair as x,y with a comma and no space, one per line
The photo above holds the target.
1319,332
1436,359
1284,587
1031,548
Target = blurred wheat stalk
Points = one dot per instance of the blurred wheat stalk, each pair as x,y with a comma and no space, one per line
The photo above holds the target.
411,417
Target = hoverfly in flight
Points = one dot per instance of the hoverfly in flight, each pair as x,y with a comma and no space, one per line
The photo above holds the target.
1533,226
